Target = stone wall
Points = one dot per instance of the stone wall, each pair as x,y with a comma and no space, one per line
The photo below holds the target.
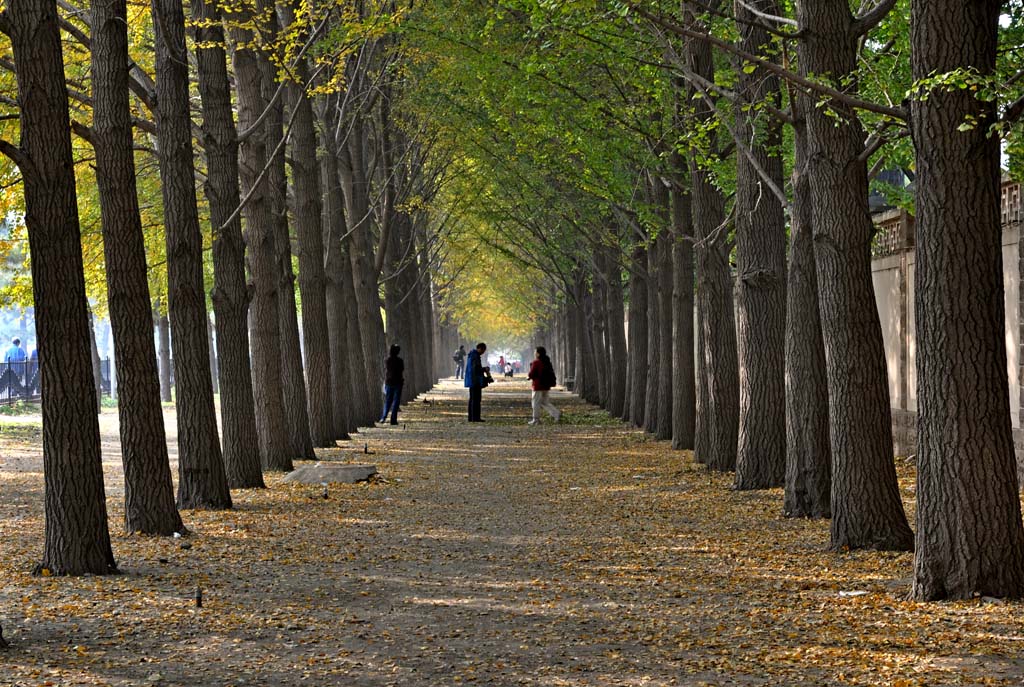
892,271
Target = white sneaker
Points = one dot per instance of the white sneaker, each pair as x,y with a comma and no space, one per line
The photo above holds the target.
533,422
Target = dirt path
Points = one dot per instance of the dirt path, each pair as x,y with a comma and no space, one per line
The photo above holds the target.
501,554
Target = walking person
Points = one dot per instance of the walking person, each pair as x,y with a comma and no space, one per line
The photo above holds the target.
460,362
476,380
542,372
394,379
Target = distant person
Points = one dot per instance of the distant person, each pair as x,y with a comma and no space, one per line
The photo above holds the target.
509,371
501,363
476,379
394,379
542,372
460,362
15,357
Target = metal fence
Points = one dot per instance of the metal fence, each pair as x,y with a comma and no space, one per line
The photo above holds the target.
19,381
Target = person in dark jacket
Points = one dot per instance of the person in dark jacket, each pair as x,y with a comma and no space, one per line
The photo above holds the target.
460,362
475,374
542,372
394,378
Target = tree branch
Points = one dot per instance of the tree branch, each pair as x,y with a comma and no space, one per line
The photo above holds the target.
839,96
871,18
17,156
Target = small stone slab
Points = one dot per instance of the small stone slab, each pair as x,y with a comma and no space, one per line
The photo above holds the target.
321,473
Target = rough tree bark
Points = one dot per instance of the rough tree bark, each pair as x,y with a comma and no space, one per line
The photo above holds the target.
293,382
598,316
637,345
970,540
97,372
663,430
614,306
230,296
264,321
654,357
808,452
149,490
77,539
866,507
360,251
684,390
343,398
717,421
201,479
312,280
761,267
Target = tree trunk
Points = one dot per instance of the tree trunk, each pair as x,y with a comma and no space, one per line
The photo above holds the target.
264,321
201,479
357,354
808,452
312,280
654,357
684,390
344,399
638,329
614,306
149,490
571,337
163,332
761,268
717,418
211,345
970,541
230,294
596,308
97,370
77,539
360,252
663,429
293,383
866,507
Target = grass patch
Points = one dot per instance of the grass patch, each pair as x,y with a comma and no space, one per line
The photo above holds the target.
28,432
20,408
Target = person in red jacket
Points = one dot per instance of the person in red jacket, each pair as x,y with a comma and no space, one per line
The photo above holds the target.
543,375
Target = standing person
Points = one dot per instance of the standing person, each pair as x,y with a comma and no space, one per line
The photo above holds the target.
15,354
475,380
501,364
15,358
542,372
460,362
394,379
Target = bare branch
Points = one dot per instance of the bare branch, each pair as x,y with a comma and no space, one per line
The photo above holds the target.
764,15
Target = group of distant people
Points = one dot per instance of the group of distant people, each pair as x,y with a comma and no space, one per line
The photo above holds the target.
476,376
470,368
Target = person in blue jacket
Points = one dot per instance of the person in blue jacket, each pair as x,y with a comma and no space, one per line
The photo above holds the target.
475,380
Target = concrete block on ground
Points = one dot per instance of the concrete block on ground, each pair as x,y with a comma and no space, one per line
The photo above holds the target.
331,473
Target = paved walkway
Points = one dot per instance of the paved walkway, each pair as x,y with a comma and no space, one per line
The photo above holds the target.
499,554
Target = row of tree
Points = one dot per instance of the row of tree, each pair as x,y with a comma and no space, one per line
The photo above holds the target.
665,155
300,161
639,161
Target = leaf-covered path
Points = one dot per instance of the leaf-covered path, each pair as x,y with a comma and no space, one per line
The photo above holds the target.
501,554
